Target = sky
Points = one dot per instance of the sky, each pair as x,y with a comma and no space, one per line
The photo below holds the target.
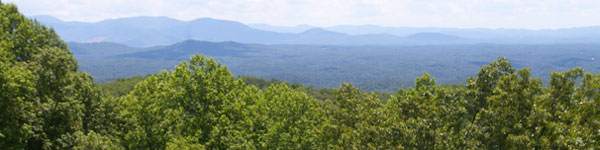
528,14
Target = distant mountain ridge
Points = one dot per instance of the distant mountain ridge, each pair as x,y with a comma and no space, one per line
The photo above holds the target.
283,29
433,36
565,35
579,33
155,31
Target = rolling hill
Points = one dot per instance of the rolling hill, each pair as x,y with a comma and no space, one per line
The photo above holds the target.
183,50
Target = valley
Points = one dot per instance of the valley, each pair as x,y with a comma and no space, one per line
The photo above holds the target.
371,68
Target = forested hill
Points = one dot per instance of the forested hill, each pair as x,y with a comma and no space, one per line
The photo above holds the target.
185,49
45,103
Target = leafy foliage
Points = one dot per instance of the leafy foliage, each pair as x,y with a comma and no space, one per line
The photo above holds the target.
43,98
120,87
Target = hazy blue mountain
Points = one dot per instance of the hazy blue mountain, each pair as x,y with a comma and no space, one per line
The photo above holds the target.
432,36
154,23
283,29
155,31
374,29
320,36
485,35
136,31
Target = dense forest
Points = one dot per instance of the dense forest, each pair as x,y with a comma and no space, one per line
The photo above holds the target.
45,103
370,68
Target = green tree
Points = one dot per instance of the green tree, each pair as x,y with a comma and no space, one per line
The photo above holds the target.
505,121
427,116
586,123
555,112
478,91
43,97
354,118
191,101
292,119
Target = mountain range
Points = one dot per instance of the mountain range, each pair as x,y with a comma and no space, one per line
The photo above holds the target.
156,31
482,34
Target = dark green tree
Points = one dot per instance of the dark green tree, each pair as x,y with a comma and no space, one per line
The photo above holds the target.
43,97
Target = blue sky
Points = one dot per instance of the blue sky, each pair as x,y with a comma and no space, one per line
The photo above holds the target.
531,14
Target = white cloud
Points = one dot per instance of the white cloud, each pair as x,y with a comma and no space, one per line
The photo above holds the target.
441,13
